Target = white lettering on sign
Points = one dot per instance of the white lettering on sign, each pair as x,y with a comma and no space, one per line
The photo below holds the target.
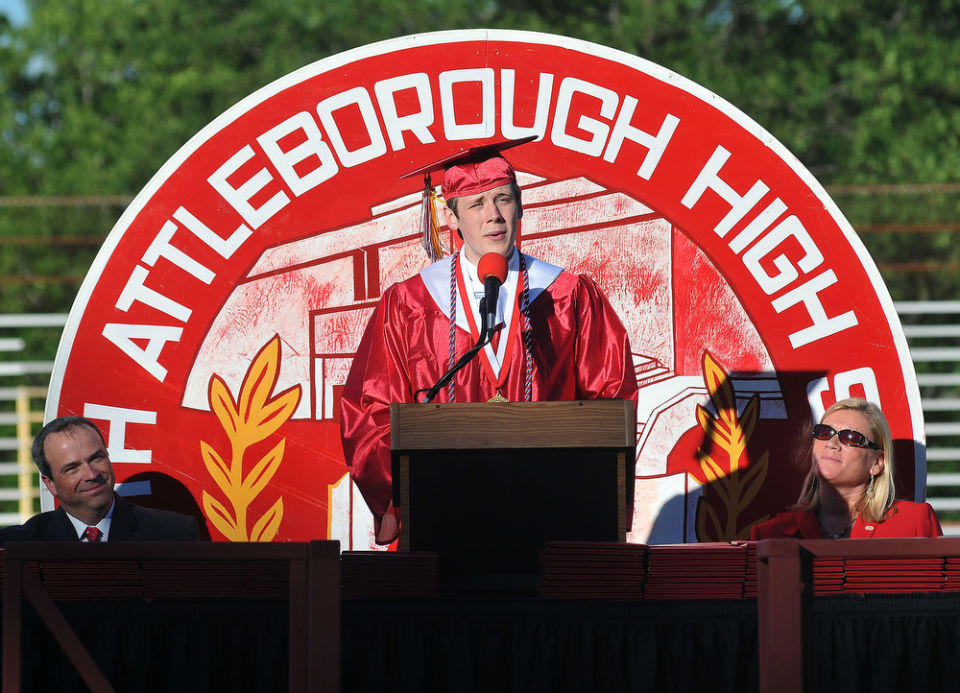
709,179
808,295
116,432
286,161
508,126
144,342
656,144
239,197
320,148
360,124
771,245
788,271
600,131
485,124
418,121
162,247
857,382
126,338
136,290
360,98
224,247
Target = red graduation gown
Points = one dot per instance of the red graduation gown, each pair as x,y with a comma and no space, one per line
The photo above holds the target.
580,351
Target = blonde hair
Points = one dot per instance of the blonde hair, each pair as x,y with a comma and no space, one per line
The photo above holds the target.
877,499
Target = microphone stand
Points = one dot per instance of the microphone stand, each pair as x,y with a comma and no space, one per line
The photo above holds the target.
464,360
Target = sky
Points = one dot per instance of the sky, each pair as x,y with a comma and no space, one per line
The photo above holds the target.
15,10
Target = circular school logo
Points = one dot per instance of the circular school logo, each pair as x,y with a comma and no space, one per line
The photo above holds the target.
214,332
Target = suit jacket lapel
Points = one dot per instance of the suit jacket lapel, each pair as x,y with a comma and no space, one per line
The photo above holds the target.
123,524
60,528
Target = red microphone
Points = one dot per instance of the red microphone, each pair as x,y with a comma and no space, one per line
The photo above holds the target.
492,264
492,271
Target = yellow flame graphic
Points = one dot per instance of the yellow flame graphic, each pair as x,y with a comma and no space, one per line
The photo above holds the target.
730,476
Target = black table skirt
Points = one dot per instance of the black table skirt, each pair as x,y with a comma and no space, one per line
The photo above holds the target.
888,643
552,646
876,643
213,645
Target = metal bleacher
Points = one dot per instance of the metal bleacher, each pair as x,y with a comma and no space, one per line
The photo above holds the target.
22,398
933,335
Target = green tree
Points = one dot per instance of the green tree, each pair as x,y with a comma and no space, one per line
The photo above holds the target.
102,92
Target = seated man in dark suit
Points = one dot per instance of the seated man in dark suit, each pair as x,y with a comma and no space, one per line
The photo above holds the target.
71,454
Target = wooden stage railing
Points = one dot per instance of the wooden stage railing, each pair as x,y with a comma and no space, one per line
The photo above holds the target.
313,592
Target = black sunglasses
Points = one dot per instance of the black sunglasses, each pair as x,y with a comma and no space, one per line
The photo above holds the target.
849,437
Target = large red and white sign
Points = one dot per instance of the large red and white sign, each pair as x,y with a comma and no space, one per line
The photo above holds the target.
217,325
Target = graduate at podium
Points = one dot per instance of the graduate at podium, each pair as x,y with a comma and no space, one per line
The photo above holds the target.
552,335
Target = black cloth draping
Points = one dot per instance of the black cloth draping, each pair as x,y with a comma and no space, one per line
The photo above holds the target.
888,643
164,646
875,643
552,646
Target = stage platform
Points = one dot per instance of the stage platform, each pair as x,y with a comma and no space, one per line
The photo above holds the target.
257,619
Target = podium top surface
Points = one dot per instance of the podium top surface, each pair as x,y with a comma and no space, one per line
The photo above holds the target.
609,423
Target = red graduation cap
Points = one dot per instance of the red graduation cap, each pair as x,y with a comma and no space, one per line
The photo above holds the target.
469,171
473,170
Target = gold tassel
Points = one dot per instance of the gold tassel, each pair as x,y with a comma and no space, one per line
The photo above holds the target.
429,225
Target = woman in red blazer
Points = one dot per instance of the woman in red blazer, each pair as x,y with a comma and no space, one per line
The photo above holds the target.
849,491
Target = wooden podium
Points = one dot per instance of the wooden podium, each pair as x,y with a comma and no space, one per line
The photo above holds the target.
487,485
